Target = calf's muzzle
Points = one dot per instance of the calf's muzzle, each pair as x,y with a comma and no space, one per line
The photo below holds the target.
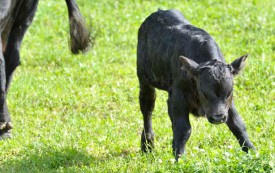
217,119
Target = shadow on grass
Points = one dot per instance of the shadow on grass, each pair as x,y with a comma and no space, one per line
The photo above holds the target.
51,160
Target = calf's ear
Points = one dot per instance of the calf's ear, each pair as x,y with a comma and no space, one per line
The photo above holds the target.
189,65
238,64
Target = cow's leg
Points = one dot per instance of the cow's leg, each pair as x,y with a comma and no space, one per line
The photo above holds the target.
237,127
4,116
23,20
179,116
5,124
147,97
10,58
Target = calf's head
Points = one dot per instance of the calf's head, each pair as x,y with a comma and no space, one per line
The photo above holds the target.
214,85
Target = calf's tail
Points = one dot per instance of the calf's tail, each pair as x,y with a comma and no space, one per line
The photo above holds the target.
80,39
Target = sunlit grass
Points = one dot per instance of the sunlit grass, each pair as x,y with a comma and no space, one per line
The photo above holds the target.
81,113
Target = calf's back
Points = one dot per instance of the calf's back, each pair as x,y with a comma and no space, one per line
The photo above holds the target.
162,38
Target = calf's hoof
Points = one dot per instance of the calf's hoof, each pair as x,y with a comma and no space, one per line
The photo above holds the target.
5,130
147,142
177,157
247,148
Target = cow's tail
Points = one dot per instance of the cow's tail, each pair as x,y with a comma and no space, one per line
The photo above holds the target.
80,39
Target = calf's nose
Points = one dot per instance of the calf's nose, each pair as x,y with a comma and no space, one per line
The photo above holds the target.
219,118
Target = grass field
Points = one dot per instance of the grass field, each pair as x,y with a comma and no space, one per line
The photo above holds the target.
81,113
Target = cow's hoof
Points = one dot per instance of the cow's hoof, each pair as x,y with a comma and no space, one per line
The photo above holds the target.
5,130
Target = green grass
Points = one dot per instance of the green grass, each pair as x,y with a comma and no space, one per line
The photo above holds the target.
81,113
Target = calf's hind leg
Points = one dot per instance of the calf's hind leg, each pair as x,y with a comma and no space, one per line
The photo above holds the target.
147,97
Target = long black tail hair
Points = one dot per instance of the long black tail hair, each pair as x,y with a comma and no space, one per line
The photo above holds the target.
80,38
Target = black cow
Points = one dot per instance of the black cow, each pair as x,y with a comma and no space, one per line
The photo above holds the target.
15,18
185,61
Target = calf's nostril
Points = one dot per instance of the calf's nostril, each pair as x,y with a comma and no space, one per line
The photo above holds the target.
219,116
211,119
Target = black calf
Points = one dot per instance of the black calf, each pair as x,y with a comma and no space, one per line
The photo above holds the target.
185,61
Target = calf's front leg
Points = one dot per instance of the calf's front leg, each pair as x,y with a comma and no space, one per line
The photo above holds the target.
237,127
180,122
